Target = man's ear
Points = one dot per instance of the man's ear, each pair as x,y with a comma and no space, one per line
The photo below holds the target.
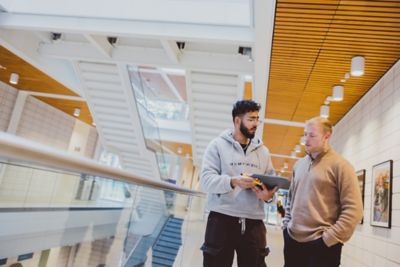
328,135
236,121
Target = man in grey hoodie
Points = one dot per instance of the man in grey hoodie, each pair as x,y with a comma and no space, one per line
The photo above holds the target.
236,205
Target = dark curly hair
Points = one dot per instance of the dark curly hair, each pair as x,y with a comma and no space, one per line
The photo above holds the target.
241,107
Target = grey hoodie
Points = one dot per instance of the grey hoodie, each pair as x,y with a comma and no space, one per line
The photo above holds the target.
224,158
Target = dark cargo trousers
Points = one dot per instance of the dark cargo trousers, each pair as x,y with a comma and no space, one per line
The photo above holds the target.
226,234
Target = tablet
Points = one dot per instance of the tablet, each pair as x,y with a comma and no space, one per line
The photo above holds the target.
271,181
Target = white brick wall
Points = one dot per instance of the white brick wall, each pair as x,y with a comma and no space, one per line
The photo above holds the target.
370,134
45,124
8,95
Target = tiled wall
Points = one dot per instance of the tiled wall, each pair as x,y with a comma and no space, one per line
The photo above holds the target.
370,134
45,124
8,95
41,122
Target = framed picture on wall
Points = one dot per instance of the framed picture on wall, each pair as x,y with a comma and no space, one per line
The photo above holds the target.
361,183
381,206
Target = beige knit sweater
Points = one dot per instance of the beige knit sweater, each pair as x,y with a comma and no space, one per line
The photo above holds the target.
324,200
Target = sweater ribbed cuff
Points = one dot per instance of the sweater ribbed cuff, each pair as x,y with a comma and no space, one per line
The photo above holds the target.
329,239
228,185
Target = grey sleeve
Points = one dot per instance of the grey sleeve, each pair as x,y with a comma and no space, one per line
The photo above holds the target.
211,179
270,167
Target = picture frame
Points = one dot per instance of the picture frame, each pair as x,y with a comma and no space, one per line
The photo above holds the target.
361,182
381,197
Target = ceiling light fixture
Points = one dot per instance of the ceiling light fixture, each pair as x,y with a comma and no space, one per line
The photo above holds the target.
297,148
285,165
337,93
357,66
302,141
324,111
14,78
77,112
347,75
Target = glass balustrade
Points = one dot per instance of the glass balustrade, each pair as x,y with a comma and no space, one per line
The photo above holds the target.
55,218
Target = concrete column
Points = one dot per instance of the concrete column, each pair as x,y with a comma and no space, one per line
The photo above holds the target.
17,112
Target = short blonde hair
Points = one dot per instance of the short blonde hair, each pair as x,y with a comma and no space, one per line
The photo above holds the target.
324,122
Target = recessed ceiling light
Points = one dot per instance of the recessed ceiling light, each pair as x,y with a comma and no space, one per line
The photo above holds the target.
324,111
77,112
357,66
337,93
302,141
285,165
14,78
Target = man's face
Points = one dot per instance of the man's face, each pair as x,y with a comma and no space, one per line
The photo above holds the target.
249,123
316,139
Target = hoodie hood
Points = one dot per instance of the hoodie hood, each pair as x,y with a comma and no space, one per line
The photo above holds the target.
227,135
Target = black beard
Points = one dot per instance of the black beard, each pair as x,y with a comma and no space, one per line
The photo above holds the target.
246,131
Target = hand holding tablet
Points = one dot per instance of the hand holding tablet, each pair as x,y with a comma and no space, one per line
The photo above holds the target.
271,181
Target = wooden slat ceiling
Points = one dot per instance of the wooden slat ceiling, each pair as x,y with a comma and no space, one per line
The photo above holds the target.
32,79
313,43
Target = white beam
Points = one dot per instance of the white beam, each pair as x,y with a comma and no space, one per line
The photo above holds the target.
283,156
202,12
285,123
100,43
264,12
55,96
129,28
171,86
172,50
156,57
17,112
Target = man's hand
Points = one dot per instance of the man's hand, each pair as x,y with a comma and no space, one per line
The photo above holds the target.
264,193
242,181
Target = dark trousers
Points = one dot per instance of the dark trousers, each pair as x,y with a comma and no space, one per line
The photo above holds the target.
310,254
224,236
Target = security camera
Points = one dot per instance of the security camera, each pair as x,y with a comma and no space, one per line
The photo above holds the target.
56,36
181,45
112,40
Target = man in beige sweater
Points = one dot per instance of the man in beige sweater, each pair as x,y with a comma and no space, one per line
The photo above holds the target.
324,204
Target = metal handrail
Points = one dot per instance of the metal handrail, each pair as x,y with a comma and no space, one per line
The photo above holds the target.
17,148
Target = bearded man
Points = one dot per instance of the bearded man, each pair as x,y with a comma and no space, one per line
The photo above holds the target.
236,205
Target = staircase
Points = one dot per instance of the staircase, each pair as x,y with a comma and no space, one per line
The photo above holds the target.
168,243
